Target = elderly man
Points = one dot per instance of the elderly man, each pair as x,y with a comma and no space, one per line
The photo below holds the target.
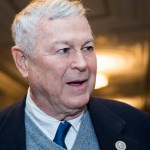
54,50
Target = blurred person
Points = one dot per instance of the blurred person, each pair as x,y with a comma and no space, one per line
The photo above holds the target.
54,50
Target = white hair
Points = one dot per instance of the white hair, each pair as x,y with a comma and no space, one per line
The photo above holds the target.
25,23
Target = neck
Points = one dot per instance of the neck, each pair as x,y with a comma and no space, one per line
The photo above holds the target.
58,112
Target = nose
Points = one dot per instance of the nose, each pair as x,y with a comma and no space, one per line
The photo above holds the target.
79,62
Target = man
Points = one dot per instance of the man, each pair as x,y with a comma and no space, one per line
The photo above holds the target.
54,50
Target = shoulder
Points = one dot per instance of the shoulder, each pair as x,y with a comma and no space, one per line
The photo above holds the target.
113,105
11,112
12,128
120,109
110,117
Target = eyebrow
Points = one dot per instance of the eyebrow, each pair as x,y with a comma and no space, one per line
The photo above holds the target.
89,41
70,43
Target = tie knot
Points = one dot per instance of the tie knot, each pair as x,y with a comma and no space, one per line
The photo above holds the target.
61,133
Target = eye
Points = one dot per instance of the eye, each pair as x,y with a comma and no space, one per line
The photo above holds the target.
63,50
88,48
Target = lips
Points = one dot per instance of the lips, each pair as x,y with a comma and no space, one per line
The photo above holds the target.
76,82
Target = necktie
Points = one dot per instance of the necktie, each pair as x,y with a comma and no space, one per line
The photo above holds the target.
61,134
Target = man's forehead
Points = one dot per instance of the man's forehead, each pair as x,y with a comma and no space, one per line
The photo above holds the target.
46,23
65,28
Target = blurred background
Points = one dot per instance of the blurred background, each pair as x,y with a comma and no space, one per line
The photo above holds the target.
122,34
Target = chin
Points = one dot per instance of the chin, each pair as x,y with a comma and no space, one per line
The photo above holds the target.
79,102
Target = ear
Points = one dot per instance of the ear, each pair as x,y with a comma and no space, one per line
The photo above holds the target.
20,60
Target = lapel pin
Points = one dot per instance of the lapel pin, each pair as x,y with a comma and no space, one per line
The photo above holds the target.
120,145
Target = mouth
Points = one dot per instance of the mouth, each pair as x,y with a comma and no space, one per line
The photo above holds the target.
77,82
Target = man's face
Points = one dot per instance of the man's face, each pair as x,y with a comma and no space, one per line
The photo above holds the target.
62,68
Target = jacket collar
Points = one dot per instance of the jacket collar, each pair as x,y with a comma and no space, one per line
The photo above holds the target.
109,128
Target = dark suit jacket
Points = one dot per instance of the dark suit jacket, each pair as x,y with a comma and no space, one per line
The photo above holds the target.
112,121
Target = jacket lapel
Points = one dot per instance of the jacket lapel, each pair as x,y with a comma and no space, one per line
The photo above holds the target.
109,128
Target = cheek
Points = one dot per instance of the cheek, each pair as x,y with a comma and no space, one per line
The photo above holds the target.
93,65
93,71
49,68
54,75
38,72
